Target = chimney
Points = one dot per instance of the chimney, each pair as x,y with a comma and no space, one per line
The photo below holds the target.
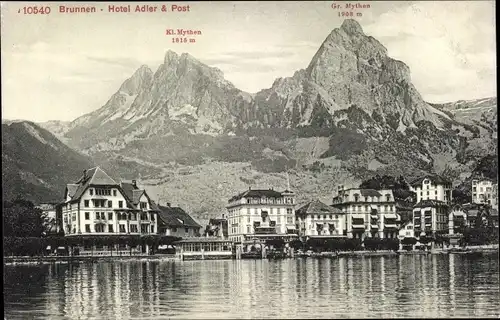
84,174
134,183
168,204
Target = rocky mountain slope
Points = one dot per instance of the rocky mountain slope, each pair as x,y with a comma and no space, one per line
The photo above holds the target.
351,113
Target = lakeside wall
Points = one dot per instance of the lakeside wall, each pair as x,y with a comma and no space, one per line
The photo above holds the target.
171,257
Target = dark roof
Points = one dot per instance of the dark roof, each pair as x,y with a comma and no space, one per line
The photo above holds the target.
136,195
93,176
96,176
434,178
71,189
369,193
316,207
430,203
257,194
176,217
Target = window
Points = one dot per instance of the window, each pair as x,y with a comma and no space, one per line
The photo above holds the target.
120,204
248,229
103,192
91,192
110,215
86,203
73,217
174,229
152,229
99,228
98,203
103,215
97,215
110,228
186,229
122,228
289,219
114,192
110,203
427,192
87,228
87,215
248,219
133,216
144,205
133,228
387,197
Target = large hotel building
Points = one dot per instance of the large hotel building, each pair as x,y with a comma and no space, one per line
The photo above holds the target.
261,214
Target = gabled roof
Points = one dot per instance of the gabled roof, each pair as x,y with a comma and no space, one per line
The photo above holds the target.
93,176
316,207
430,203
71,189
257,194
136,195
176,217
436,179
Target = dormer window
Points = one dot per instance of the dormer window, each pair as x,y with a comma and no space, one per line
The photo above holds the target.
388,197
356,197
91,192
426,181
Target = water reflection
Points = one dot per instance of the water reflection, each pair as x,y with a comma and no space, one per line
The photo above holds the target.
404,286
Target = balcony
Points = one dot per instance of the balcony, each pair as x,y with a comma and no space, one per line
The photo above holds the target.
390,225
358,226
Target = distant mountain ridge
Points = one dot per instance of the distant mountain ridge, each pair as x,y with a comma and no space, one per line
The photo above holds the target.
352,112
35,164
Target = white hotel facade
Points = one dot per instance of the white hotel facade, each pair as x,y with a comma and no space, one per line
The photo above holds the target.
97,205
261,212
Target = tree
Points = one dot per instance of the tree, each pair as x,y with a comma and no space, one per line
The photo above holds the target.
22,219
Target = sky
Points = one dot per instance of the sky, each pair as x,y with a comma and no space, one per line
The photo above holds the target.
60,66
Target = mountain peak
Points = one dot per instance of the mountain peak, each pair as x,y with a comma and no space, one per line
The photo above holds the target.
170,56
140,79
351,26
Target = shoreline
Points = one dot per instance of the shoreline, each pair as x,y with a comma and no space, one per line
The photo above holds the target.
20,260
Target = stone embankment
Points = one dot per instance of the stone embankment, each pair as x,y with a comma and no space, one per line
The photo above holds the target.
83,259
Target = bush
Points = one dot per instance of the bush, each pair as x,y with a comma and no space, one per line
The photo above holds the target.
23,246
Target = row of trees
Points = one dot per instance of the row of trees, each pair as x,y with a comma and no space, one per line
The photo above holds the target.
343,244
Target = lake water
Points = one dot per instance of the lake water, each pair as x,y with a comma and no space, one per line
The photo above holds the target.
376,287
